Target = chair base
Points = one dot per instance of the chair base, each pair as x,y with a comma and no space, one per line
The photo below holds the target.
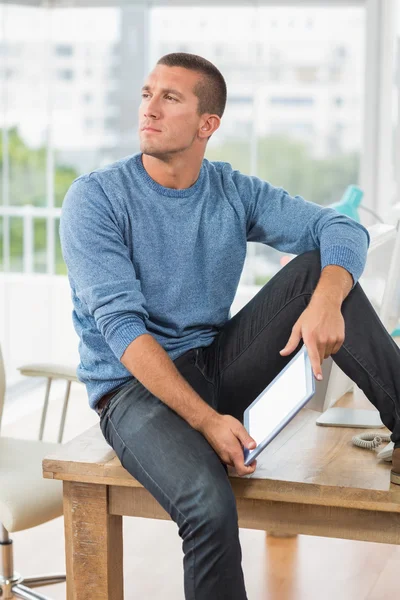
12,584
14,588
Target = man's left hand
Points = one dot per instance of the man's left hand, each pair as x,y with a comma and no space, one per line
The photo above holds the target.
321,326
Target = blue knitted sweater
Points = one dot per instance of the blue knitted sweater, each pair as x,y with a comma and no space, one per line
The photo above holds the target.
143,258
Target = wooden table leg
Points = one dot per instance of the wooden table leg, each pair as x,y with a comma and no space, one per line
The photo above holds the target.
93,544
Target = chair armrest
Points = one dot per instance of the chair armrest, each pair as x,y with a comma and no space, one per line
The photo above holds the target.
49,370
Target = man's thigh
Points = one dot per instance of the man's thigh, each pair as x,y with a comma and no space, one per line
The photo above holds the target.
248,345
173,461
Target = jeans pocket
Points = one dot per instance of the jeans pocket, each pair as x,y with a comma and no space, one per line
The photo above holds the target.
110,405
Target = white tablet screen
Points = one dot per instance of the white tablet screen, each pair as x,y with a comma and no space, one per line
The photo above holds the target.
278,401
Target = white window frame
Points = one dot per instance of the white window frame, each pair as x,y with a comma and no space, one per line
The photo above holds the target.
376,169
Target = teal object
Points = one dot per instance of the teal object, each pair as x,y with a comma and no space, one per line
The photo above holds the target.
349,203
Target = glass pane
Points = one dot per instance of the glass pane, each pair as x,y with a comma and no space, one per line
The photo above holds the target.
60,267
16,244
311,106
63,177
25,68
40,245
95,69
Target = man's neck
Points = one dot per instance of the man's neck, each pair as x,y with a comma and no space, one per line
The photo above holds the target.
177,176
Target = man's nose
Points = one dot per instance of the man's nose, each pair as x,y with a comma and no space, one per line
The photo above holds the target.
152,107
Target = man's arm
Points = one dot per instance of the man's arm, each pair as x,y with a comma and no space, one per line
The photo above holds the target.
100,265
152,366
321,324
294,225
334,285
147,360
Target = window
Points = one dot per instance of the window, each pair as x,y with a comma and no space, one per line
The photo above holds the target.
65,74
110,124
240,100
279,62
112,98
114,72
63,50
292,101
306,74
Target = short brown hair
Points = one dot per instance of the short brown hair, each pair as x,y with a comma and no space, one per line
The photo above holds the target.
210,89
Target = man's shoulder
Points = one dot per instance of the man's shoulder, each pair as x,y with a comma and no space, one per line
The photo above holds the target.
116,169
115,166
103,175
217,165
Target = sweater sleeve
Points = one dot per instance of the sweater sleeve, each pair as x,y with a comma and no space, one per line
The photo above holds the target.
99,265
292,224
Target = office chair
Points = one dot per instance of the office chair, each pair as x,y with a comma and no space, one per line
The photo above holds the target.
26,498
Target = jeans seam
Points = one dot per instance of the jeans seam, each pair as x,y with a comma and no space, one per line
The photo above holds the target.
381,386
262,329
185,520
205,376
212,382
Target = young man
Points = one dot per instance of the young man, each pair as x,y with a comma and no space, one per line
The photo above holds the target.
155,245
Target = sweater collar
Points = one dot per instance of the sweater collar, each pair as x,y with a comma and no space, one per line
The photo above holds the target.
164,191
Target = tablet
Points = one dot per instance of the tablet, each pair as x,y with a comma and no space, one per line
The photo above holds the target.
281,400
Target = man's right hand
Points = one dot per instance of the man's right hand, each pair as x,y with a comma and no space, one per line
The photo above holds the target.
228,436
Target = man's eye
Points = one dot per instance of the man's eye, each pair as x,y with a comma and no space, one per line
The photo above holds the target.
144,95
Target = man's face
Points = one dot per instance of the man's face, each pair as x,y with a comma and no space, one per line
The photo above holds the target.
172,113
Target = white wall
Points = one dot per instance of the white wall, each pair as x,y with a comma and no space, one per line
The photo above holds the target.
36,322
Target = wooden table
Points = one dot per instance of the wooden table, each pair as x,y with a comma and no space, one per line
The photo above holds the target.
310,480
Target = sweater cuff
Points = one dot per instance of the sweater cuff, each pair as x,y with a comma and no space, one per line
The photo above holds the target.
343,257
120,337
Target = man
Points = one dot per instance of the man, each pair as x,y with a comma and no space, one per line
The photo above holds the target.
155,245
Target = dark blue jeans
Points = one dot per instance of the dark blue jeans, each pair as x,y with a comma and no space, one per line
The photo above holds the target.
177,465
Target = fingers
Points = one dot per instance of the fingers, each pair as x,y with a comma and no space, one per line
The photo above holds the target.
337,346
293,342
237,456
315,359
242,434
240,467
320,351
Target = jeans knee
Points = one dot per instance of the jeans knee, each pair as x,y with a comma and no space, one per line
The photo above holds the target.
311,259
214,515
223,521
308,264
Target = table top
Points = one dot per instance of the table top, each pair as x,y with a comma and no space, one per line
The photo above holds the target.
305,463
